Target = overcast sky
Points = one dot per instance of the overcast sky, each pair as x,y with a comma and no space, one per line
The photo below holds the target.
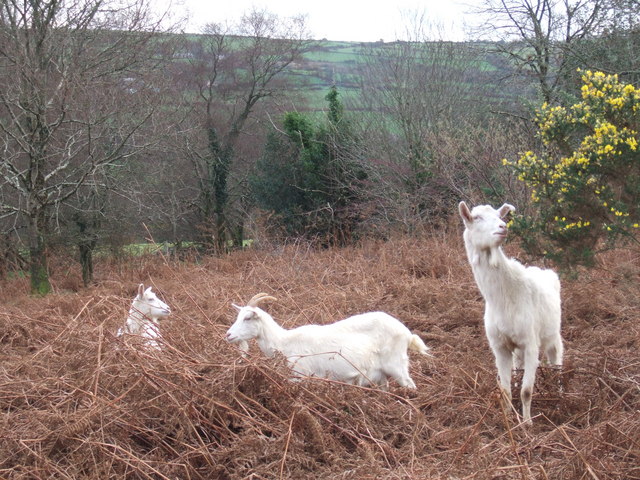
349,20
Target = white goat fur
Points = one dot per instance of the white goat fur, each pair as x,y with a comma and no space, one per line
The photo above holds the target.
522,304
144,315
363,349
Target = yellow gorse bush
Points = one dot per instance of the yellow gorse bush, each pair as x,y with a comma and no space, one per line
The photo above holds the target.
586,180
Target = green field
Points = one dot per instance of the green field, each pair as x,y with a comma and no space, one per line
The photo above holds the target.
329,63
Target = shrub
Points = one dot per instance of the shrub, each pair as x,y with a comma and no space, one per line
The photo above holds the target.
585,182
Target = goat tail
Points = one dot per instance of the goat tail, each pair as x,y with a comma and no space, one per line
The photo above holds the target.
416,344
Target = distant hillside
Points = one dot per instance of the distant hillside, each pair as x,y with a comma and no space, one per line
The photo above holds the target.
339,63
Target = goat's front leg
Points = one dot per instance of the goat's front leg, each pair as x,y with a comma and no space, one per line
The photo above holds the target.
504,362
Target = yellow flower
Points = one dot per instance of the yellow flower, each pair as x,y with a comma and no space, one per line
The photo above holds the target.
606,149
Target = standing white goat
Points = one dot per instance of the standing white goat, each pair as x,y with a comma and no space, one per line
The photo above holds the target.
522,304
363,349
145,312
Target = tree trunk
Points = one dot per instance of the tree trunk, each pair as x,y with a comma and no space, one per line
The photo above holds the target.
38,255
88,225
238,237
86,260
221,156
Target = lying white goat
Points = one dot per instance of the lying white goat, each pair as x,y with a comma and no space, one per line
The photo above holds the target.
145,312
363,349
522,304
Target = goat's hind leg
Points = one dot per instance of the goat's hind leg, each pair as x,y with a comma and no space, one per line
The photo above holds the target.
399,370
518,360
528,380
553,352
406,381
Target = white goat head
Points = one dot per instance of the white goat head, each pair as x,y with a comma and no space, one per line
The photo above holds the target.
247,325
146,309
148,306
485,226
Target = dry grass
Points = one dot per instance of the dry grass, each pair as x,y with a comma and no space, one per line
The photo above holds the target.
76,402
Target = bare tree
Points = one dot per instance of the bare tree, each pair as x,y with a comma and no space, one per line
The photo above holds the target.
238,68
617,48
539,36
418,87
75,90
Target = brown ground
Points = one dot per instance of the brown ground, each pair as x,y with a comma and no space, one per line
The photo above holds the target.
76,402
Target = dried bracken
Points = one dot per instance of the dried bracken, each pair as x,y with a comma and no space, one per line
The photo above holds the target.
78,403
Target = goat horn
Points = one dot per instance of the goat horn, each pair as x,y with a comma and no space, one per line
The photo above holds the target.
256,299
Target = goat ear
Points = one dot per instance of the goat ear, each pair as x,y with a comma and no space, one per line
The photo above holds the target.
251,315
465,213
141,290
148,290
505,209
236,307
